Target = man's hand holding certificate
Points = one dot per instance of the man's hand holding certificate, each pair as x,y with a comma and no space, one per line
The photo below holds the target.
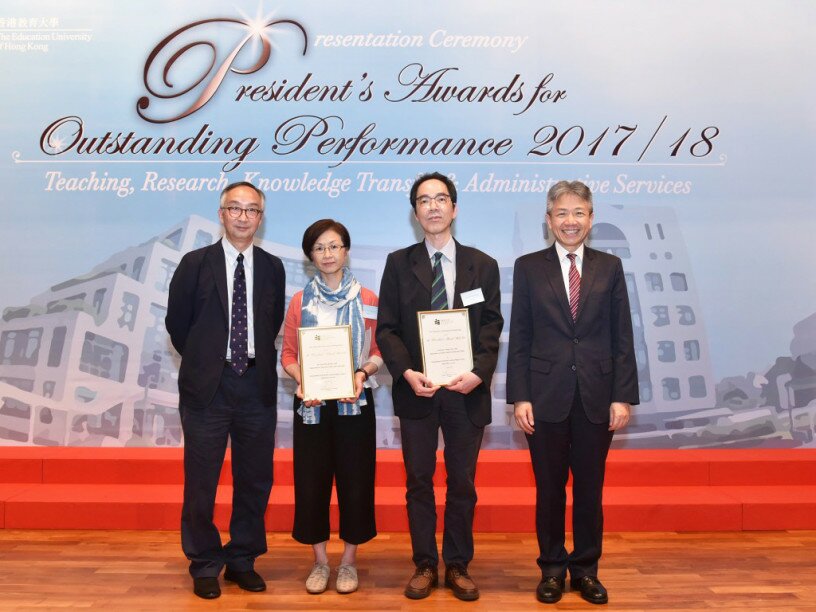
447,353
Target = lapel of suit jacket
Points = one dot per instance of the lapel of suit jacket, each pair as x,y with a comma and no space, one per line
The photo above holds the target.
552,270
258,276
218,261
587,278
464,274
421,267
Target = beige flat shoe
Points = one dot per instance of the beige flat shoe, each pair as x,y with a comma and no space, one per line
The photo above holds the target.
347,579
318,578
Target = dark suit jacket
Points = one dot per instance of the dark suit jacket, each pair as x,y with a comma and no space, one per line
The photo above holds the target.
406,290
197,320
548,350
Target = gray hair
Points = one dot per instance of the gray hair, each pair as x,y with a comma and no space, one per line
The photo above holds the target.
232,186
576,188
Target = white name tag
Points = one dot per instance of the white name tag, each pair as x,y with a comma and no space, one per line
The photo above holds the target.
474,296
369,312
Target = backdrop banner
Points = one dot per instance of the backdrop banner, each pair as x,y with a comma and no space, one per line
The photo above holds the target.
692,122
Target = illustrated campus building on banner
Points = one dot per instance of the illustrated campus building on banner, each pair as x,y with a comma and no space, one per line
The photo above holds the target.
89,361
333,113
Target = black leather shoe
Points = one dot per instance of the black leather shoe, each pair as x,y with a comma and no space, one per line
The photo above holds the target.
207,587
549,590
249,581
591,589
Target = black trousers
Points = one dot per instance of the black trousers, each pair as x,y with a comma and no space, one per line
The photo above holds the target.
419,443
556,448
238,414
343,449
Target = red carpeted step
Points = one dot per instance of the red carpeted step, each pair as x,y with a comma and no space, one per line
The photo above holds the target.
758,467
496,467
137,466
138,506
85,506
770,507
19,464
679,508
162,466
633,468
512,509
139,488
10,490
82,506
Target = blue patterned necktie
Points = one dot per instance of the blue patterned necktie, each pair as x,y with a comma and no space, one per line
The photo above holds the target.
439,297
239,358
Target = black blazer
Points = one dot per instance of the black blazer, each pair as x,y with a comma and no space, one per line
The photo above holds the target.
548,350
197,321
406,290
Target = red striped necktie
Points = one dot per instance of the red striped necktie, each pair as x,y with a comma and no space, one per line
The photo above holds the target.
574,286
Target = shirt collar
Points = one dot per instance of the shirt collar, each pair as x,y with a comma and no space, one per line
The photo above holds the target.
562,252
231,253
448,251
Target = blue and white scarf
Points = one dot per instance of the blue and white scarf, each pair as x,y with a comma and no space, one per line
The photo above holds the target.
347,300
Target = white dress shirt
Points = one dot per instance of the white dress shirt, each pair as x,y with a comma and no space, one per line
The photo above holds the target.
565,262
448,263
231,259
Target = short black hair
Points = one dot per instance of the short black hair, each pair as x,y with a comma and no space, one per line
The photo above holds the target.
432,176
318,228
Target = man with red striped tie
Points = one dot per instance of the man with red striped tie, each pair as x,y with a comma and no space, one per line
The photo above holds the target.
572,377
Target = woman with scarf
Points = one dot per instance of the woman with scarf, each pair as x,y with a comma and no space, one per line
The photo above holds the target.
333,439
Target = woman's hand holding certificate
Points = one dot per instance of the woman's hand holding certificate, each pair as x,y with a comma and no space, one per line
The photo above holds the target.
326,363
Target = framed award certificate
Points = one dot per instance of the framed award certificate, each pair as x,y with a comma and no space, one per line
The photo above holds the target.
444,336
326,362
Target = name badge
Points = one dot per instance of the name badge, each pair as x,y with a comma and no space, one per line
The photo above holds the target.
369,312
474,296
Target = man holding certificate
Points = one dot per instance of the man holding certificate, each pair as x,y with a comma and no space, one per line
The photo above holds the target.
330,350
438,329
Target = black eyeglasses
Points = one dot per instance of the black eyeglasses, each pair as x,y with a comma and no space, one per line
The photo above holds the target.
236,211
333,248
439,198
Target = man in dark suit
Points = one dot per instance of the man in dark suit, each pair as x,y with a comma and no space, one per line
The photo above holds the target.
436,274
572,377
224,311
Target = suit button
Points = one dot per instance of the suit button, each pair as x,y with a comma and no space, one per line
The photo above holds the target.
575,340
573,368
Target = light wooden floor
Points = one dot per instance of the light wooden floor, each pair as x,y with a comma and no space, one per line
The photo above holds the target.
130,570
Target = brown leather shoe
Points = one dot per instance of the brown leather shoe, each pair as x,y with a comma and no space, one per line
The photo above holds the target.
424,580
462,585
